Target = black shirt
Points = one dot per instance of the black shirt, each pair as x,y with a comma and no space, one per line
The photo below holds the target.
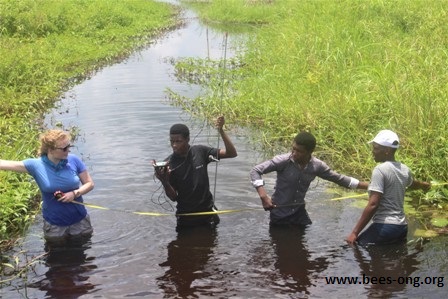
189,177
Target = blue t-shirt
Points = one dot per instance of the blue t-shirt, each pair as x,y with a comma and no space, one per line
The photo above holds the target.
62,177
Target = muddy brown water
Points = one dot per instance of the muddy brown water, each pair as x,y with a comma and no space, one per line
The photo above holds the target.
123,117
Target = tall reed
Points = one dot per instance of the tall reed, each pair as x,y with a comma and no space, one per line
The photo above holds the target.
344,70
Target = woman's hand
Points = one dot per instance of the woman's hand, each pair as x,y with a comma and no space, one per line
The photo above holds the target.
65,197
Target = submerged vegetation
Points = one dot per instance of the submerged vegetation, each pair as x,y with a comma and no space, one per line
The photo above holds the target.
341,69
47,46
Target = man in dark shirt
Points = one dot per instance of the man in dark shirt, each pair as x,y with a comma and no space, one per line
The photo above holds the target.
185,177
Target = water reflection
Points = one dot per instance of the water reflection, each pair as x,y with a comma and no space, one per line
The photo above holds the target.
186,263
293,259
389,266
68,271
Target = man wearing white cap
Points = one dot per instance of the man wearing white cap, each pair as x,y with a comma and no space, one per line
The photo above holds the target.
386,195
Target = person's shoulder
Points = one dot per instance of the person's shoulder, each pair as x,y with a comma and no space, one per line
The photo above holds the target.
75,160
200,148
389,166
282,158
72,157
34,164
285,156
401,166
38,159
32,161
314,161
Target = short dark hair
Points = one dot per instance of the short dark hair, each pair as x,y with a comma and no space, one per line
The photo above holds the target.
180,129
307,140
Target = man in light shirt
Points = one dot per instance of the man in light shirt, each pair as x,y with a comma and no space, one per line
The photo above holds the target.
386,196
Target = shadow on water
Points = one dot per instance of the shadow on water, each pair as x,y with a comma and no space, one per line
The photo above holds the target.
286,262
68,271
186,262
386,270
293,260
123,119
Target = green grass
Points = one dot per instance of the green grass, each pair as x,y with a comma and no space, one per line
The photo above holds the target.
345,70
341,69
236,11
46,46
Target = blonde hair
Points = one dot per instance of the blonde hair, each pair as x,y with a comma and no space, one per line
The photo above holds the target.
49,139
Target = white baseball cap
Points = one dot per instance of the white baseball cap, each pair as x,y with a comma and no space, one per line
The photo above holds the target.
386,138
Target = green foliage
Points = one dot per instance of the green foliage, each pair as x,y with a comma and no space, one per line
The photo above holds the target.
44,43
255,12
15,205
343,70
439,222
47,46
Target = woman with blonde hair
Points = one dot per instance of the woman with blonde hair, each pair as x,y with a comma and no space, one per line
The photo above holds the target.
62,179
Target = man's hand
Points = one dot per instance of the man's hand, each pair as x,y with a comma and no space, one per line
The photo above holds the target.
162,173
426,186
219,123
351,239
267,203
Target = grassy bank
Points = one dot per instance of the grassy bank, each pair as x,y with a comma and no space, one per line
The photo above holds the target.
343,70
47,46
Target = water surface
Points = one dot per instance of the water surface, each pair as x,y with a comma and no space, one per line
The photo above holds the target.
123,118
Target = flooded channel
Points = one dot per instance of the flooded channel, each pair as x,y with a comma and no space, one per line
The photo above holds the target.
123,118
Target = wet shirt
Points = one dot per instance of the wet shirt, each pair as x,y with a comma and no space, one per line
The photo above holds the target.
189,177
391,179
61,177
293,182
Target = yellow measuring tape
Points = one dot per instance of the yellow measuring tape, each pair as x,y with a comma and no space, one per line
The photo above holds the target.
167,214
365,194
213,212
351,196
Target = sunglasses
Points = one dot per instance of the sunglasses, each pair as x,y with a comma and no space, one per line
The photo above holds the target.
64,148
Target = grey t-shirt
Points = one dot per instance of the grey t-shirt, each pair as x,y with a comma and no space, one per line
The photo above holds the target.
391,179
